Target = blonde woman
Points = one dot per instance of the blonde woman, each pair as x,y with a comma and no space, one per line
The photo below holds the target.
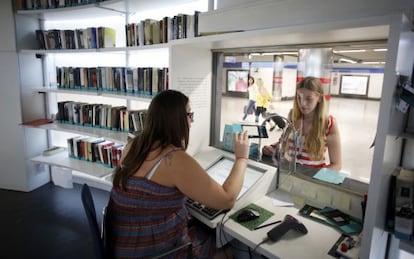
317,132
263,99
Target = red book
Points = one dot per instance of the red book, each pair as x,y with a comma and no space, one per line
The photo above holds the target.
37,122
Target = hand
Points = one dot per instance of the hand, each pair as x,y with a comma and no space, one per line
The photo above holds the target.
269,150
241,144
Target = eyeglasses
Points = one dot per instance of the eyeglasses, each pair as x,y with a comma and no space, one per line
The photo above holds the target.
190,115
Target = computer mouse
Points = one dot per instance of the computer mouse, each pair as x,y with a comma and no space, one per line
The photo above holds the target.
247,214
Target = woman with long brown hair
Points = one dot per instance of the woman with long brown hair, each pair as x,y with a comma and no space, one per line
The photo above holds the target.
156,175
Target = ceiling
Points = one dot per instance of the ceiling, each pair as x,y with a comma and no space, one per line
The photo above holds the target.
364,52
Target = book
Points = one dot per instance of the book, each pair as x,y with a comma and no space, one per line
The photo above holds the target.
116,153
109,37
345,223
37,122
102,154
90,148
52,151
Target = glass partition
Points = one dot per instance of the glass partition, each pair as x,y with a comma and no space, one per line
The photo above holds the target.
278,72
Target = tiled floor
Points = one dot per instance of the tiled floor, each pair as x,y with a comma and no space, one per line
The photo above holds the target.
357,121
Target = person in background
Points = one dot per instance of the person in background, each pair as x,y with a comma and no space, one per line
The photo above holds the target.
316,131
156,175
263,100
252,90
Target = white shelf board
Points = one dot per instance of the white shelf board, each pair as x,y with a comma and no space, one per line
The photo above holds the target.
100,9
148,47
122,95
112,50
116,136
62,159
100,183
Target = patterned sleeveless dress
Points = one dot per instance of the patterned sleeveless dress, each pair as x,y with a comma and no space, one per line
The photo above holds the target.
303,155
148,219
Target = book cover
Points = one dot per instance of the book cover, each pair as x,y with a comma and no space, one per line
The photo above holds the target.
37,122
103,157
109,37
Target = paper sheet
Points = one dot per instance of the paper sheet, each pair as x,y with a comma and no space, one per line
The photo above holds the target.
330,176
281,199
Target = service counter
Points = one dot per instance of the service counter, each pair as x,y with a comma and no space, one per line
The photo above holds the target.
301,189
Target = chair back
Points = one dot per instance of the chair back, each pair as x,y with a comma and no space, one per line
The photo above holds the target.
89,208
106,232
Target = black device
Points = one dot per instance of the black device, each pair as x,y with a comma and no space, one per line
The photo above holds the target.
289,222
255,131
247,215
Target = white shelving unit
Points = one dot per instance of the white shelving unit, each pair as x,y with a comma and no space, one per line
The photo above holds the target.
43,63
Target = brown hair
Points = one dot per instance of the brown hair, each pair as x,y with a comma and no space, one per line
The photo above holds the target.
165,124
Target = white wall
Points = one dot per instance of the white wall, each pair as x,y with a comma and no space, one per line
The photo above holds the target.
289,76
264,14
13,174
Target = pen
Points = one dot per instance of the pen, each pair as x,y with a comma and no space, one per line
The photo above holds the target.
266,225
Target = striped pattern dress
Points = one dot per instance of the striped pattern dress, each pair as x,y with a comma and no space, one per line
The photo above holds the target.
148,219
302,155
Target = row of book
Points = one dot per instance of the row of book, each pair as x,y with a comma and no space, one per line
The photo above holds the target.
87,38
151,31
103,116
46,4
139,80
98,150
146,32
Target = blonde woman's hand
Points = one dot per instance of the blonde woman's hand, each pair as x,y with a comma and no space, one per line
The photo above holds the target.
241,145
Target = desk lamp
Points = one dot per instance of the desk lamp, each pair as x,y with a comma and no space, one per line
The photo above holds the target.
281,122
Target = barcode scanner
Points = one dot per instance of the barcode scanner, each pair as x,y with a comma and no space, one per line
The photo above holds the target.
289,222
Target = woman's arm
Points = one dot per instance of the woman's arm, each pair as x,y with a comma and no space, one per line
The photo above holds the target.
334,147
194,182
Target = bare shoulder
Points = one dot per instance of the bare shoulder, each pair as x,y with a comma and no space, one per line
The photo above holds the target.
180,159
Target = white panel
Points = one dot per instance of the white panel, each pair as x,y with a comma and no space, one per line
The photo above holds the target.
269,13
375,85
230,3
387,153
31,76
7,27
12,156
289,83
191,73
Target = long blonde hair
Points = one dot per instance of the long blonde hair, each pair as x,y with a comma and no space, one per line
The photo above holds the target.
316,138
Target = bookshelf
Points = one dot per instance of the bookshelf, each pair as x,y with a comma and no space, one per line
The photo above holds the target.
42,63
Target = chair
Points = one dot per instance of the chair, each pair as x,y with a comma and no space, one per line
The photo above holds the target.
101,239
89,207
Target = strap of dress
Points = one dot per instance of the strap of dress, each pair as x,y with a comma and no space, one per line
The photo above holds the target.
157,164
